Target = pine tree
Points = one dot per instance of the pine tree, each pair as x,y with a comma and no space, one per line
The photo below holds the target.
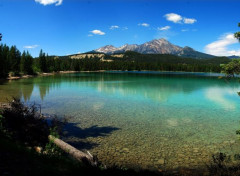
3,71
26,63
14,57
23,62
29,64
42,61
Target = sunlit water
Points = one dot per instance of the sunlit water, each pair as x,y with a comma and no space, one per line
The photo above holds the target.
151,120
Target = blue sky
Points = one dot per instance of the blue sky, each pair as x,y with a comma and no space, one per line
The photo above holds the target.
62,27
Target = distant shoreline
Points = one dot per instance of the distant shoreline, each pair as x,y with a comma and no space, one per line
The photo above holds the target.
98,71
39,74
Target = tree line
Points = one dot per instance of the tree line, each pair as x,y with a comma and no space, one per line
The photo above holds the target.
14,62
130,61
17,63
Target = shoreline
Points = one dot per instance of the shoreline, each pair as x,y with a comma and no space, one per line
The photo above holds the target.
39,74
97,71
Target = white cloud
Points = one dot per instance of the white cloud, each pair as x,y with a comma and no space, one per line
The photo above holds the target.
176,18
90,35
165,28
49,2
220,96
125,28
189,20
31,46
144,24
220,47
114,27
97,32
173,17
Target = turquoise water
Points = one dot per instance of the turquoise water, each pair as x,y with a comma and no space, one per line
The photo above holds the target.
151,120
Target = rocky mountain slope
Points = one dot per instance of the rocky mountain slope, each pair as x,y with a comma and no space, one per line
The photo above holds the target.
157,46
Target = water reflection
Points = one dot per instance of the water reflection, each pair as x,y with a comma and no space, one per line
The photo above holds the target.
156,87
220,96
161,116
26,91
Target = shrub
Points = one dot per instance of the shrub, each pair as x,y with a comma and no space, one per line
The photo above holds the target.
26,125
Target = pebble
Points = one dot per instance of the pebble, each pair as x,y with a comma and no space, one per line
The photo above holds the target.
125,149
181,155
161,161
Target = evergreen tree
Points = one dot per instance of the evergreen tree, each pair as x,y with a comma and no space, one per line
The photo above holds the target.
5,52
29,64
23,62
3,69
42,61
26,63
14,58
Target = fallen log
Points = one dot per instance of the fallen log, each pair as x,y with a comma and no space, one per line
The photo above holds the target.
86,158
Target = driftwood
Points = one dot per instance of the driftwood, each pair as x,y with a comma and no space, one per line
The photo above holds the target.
75,153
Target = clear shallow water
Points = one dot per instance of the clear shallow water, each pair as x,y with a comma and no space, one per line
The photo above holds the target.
151,120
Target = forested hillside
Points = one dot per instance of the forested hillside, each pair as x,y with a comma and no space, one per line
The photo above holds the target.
17,63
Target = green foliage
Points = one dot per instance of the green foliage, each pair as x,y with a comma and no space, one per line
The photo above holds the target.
42,61
26,125
232,68
54,132
224,164
237,34
136,61
14,62
52,149
14,57
26,63
22,123
4,66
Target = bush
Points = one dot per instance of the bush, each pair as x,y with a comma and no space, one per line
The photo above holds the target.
26,125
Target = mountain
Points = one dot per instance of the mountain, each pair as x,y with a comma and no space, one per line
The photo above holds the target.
234,57
157,46
109,49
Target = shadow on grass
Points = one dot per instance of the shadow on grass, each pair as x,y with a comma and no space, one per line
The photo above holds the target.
74,135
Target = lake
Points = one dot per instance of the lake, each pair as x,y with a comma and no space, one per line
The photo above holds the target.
152,120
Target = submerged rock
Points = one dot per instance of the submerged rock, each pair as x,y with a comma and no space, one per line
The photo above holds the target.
161,161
